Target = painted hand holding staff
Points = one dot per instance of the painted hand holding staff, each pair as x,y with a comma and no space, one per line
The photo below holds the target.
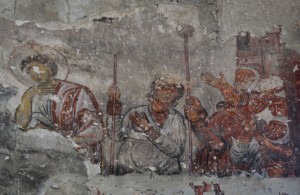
152,137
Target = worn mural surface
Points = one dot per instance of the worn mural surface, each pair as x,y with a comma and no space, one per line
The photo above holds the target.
174,114
154,137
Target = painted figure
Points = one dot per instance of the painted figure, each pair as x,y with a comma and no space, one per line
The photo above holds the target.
278,157
227,138
152,137
59,105
234,139
277,153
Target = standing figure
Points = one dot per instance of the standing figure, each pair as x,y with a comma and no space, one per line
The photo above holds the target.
152,137
67,107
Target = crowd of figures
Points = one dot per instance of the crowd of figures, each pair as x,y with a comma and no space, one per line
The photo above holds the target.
234,139
154,137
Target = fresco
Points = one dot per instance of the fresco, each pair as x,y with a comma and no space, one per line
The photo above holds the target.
240,136
233,139
152,137
58,105
250,131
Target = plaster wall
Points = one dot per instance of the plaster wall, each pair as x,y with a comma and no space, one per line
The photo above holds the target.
143,34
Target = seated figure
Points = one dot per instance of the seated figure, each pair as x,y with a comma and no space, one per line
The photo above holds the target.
66,107
152,137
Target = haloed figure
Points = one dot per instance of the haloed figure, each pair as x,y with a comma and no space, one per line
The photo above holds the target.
153,136
58,105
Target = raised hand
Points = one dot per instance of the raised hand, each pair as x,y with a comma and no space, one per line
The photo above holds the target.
213,81
40,90
140,120
45,90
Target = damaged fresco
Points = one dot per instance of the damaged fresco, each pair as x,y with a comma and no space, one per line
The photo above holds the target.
121,103
153,137
237,137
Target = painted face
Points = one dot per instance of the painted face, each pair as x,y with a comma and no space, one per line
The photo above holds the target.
257,104
278,107
166,94
276,130
158,106
38,72
164,97
243,79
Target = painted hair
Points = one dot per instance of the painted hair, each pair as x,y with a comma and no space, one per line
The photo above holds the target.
40,59
166,81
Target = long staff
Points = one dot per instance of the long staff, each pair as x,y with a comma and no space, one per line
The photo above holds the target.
112,147
186,31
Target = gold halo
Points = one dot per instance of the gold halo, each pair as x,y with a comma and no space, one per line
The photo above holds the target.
33,49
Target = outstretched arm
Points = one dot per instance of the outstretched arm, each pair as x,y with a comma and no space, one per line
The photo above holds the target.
225,88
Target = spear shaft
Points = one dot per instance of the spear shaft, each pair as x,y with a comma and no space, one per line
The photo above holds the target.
185,31
112,147
188,94
187,65
115,69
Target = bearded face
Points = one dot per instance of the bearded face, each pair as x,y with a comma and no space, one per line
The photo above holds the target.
164,97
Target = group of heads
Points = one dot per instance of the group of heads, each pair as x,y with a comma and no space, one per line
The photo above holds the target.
166,90
277,129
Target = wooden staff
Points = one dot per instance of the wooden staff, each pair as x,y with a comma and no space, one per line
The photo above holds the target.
115,70
185,31
112,147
